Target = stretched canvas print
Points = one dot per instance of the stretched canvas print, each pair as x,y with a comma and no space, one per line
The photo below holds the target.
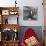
30,13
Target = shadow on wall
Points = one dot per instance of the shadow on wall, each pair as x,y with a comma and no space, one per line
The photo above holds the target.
37,29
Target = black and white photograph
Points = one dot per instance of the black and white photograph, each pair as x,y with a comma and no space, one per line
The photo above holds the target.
30,13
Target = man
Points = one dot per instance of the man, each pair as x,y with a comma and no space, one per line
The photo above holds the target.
30,38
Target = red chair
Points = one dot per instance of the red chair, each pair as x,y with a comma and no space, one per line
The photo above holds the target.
29,33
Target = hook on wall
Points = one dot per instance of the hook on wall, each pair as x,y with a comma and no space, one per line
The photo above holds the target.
15,3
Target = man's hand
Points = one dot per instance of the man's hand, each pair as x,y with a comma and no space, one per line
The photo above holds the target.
31,41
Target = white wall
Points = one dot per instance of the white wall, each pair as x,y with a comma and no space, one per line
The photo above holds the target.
21,3
7,3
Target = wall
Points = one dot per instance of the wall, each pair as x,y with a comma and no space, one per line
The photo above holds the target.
7,3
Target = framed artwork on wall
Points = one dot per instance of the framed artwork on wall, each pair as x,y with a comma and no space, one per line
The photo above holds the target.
30,13
5,12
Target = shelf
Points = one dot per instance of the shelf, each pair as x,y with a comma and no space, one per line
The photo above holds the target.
9,20
5,8
11,15
6,12
11,41
9,10
10,26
